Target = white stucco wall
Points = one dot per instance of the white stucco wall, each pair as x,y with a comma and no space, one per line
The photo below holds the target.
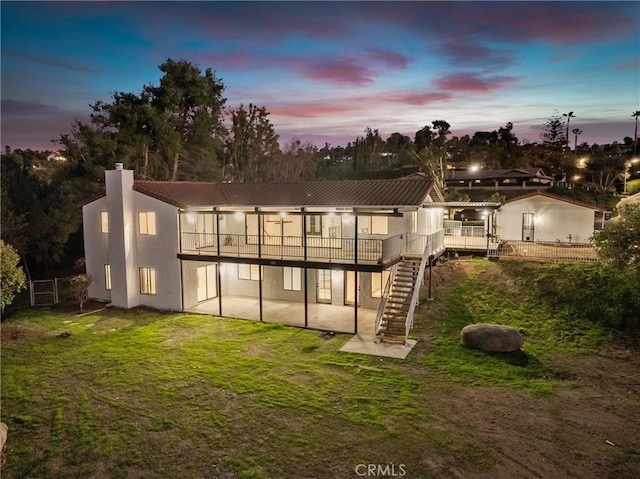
96,248
554,220
159,252
125,250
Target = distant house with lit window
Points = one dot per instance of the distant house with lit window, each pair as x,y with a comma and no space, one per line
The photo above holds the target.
505,179
327,255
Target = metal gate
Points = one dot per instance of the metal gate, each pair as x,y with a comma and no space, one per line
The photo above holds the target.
44,292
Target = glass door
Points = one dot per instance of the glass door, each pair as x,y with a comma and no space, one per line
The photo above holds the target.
350,287
323,294
527,226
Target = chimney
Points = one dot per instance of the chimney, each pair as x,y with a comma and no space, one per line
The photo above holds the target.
122,231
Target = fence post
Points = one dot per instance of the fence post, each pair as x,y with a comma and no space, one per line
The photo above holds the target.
32,296
55,290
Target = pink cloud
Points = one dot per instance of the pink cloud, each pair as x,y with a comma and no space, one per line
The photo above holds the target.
563,57
471,82
309,110
464,51
339,71
390,58
562,23
419,98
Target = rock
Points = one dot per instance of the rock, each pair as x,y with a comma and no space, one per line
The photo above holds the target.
491,337
3,434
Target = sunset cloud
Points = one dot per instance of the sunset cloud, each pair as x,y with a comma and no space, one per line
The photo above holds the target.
471,82
330,69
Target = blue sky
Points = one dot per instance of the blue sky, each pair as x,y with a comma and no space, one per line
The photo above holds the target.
328,70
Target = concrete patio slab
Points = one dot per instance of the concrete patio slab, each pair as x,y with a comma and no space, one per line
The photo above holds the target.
366,344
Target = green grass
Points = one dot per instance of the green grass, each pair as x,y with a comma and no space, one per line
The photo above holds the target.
493,294
633,186
147,394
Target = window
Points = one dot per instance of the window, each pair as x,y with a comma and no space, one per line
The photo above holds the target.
104,222
147,222
249,271
314,225
375,225
107,277
147,281
414,221
292,278
378,283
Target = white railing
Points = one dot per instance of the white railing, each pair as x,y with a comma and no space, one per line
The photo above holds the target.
551,251
415,298
318,248
385,296
465,237
419,244
283,247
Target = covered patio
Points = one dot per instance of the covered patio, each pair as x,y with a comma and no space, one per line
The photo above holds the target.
326,317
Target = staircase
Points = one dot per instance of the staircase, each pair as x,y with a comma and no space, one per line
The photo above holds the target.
393,322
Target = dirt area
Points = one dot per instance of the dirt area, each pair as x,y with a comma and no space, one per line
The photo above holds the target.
589,427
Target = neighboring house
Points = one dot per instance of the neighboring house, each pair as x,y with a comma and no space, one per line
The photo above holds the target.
324,255
506,179
542,216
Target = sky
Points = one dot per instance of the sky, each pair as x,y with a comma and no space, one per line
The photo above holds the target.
328,70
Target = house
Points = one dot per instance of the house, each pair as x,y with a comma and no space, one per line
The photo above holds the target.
330,255
542,216
505,179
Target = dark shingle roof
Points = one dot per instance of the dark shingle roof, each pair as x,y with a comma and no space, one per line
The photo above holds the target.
496,174
355,193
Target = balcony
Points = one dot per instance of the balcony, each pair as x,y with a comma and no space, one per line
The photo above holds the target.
310,248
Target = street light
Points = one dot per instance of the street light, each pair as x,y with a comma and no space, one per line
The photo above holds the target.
627,167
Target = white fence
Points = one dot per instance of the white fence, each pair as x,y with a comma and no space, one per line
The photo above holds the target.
557,251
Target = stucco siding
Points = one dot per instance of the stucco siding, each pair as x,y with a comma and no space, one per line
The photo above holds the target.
554,220
96,248
159,252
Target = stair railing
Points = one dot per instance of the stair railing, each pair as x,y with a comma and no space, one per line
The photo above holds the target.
385,296
415,298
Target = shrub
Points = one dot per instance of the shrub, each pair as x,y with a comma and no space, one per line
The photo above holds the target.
600,293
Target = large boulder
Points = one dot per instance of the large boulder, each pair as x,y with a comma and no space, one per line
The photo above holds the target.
3,434
491,337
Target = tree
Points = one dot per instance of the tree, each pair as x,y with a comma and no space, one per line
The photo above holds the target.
294,163
553,134
79,287
635,134
569,116
169,131
191,104
618,244
12,278
252,143
604,167
576,132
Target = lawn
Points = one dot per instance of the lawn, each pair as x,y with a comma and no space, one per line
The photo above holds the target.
143,394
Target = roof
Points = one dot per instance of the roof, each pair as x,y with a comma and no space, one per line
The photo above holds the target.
497,174
354,193
559,198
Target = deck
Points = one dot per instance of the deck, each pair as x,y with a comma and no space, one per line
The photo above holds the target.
320,249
